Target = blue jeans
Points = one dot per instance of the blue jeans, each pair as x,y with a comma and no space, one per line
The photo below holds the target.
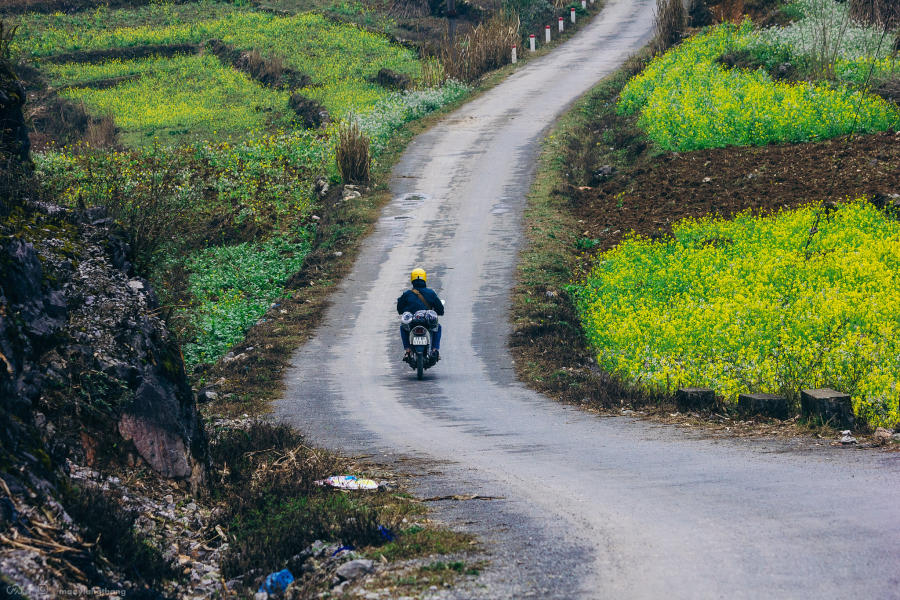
435,338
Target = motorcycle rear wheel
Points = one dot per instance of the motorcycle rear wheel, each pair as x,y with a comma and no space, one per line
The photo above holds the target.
420,365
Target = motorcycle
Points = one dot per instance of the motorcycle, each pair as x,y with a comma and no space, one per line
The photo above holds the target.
420,327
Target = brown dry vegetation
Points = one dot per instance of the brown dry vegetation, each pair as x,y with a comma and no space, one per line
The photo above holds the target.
883,13
352,154
485,48
671,19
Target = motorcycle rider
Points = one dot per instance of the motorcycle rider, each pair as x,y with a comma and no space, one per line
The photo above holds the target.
420,298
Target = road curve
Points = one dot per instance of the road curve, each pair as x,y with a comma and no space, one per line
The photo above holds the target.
592,507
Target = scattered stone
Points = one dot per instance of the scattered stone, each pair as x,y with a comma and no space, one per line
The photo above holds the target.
340,588
354,568
896,437
602,174
136,285
321,186
695,398
207,395
846,438
828,406
231,357
338,254
768,405
882,435
350,194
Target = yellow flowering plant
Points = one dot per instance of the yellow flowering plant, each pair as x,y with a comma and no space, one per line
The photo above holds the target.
799,299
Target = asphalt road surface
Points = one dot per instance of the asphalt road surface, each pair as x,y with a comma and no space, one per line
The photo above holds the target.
590,507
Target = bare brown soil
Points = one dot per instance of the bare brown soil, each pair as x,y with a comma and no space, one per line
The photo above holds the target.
130,53
726,181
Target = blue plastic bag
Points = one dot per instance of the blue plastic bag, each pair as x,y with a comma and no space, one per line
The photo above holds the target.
276,583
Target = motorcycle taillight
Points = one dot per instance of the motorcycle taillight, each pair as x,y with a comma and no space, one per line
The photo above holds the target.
418,330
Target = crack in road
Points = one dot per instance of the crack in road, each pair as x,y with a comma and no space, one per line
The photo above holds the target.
587,507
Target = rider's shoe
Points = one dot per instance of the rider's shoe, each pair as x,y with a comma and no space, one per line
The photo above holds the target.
435,355
408,354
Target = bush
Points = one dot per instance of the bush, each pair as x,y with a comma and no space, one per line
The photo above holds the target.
352,154
804,298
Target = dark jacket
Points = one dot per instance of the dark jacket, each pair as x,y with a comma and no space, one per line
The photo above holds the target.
409,302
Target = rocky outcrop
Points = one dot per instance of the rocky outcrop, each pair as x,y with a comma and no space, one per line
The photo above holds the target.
88,369
84,345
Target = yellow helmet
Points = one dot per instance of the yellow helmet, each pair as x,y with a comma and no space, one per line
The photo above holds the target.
418,274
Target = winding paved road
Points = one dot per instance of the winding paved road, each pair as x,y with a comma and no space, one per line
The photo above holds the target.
592,507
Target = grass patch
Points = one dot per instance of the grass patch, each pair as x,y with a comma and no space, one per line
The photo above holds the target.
232,287
544,316
418,541
306,42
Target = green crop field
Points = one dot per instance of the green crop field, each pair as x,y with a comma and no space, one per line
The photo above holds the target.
687,99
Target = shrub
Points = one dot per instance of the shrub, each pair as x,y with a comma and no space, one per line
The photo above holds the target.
352,155
433,74
803,298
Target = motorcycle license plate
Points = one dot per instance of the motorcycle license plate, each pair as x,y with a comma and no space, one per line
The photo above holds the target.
420,341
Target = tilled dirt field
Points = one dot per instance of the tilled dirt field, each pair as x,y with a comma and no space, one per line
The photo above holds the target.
726,181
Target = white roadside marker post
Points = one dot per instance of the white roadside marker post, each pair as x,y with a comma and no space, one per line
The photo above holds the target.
531,41
583,3
547,34
514,58
573,14
561,24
